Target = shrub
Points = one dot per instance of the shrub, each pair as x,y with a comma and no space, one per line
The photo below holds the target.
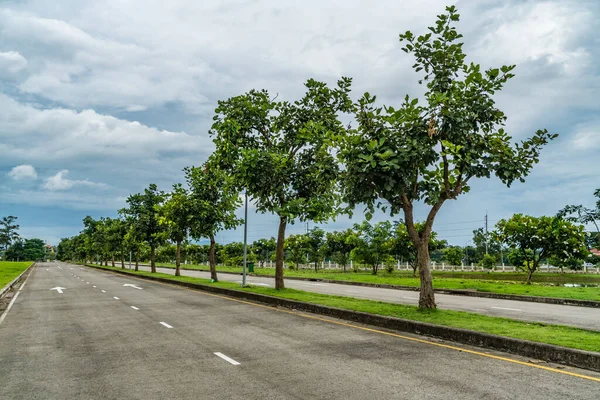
488,261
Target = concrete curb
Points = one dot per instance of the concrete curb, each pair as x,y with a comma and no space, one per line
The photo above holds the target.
7,288
547,352
457,292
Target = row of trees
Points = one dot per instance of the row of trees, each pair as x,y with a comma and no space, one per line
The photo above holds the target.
15,248
298,160
525,241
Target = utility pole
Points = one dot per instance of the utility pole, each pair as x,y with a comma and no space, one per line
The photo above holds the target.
245,238
486,232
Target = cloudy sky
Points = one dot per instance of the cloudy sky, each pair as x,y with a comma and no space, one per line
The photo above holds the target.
100,98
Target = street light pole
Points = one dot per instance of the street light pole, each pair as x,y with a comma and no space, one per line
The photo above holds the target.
245,238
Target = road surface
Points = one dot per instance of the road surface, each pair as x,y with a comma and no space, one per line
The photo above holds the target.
108,336
581,317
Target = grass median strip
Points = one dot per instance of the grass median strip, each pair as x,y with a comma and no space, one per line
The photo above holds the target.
493,284
545,333
9,270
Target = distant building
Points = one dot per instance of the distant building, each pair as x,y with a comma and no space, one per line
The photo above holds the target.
595,252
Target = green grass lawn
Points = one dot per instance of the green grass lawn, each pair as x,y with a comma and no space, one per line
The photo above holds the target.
554,334
10,270
439,282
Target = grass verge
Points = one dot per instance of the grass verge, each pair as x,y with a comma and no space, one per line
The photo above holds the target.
439,282
9,270
545,333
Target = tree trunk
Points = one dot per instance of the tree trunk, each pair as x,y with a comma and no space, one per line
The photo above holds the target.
279,254
122,259
316,267
106,262
211,260
426,295
530,275
178,258
414,266
152,259
112,259
344,268
137,259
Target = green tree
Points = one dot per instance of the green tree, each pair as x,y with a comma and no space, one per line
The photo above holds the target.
65,250
373,243
480,238
16,251
280,153
339,246
316,246
585,216
94,240
297,247
404,248
146,207
488,261
177,215
263,249
214,201
429,153
233,254
541,238
454,255
8,232
33,249
116,229
133,239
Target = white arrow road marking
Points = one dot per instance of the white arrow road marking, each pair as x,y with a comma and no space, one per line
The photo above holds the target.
166,325
224,357
506,308
133,286
116,298
134,307
58,289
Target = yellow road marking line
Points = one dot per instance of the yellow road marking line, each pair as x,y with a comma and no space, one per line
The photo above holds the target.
456,348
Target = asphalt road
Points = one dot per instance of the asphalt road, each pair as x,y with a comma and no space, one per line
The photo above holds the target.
107,339
582,317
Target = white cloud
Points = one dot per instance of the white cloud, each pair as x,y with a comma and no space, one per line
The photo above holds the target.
586,137
90,65
11,62
63,135
23,172
60,182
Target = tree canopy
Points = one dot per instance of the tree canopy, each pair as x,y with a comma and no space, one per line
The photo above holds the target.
280,152
214,200
8,231
537,238
430,152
